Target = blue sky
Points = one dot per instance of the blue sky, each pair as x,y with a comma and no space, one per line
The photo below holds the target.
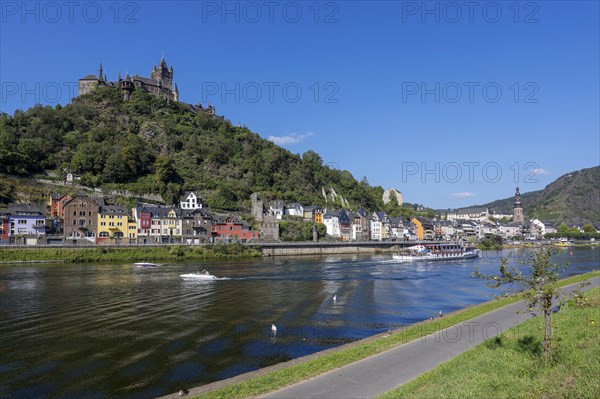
453,104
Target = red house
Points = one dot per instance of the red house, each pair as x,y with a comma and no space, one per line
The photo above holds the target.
4,226
232,228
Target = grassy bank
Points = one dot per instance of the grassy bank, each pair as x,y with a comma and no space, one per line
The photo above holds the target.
110,254
512,365
329,361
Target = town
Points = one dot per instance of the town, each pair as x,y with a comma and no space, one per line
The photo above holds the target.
83,220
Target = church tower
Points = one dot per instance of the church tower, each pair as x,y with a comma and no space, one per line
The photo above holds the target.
518,208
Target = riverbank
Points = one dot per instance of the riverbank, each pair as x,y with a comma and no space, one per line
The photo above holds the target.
511,365
275,377
170,253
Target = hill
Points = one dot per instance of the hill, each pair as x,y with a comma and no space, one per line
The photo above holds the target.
150,145
573,198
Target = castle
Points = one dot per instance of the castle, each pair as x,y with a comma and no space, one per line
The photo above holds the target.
160,83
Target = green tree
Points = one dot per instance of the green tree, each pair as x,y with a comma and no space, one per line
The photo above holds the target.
589,228
539,285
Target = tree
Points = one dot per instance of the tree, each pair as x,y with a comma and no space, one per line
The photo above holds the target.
539,283
589,228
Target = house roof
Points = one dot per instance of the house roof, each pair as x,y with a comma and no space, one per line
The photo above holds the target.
26,209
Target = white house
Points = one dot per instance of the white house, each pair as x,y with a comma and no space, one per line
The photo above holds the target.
189,200
294,209
509,230
276,208
332,224
376,227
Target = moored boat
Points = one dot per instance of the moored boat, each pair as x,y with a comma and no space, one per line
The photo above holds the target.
443,251
145,264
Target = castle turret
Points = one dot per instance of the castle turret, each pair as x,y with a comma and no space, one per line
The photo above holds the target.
100,76
176,93
127,87
518,216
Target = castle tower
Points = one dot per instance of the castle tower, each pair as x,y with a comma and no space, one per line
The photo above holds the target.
518,216
100,76
163,74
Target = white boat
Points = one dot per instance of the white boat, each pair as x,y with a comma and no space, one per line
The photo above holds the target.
443,251
145,264
203,275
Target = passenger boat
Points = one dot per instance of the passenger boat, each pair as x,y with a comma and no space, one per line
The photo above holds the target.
203,275
443,251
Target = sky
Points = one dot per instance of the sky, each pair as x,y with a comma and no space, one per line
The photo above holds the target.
452,103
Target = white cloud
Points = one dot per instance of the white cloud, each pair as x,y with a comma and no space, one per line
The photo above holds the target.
461,195
290,138
540,171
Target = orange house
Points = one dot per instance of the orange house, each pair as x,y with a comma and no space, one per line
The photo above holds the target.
56,204
419,226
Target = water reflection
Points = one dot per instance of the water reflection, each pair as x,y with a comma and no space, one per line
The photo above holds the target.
120,331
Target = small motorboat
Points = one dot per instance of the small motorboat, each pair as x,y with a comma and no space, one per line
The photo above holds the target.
146,264
203,275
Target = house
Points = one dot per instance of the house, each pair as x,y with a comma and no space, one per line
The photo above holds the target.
477,214
313,213
398,230
161,224
189,200
468,228
276,208
375,227
386,225
345,225
4,224
539,228
509,230
113,223
80,216
331,220
294,209
197,226
231,228
25,220
56,204
143,219
446,229
424,228
360,225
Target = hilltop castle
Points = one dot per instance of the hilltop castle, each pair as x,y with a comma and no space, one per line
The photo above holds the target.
160,82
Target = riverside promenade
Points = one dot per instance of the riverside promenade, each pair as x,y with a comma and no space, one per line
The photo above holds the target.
378,374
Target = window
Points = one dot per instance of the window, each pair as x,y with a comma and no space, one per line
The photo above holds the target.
103,234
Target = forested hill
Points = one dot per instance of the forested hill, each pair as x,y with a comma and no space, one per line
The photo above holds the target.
573,198
148,145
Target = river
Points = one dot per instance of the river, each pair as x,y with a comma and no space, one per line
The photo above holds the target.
114,330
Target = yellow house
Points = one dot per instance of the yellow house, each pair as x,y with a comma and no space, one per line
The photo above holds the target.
419,226
113,222
171,223
132,228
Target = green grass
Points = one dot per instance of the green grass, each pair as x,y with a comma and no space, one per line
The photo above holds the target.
125,254
512,365
296,373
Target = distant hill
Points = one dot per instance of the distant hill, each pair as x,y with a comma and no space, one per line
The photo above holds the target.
573,198
150,145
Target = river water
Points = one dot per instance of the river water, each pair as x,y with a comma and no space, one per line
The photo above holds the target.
114,330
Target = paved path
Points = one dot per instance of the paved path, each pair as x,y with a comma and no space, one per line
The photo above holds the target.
381,373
